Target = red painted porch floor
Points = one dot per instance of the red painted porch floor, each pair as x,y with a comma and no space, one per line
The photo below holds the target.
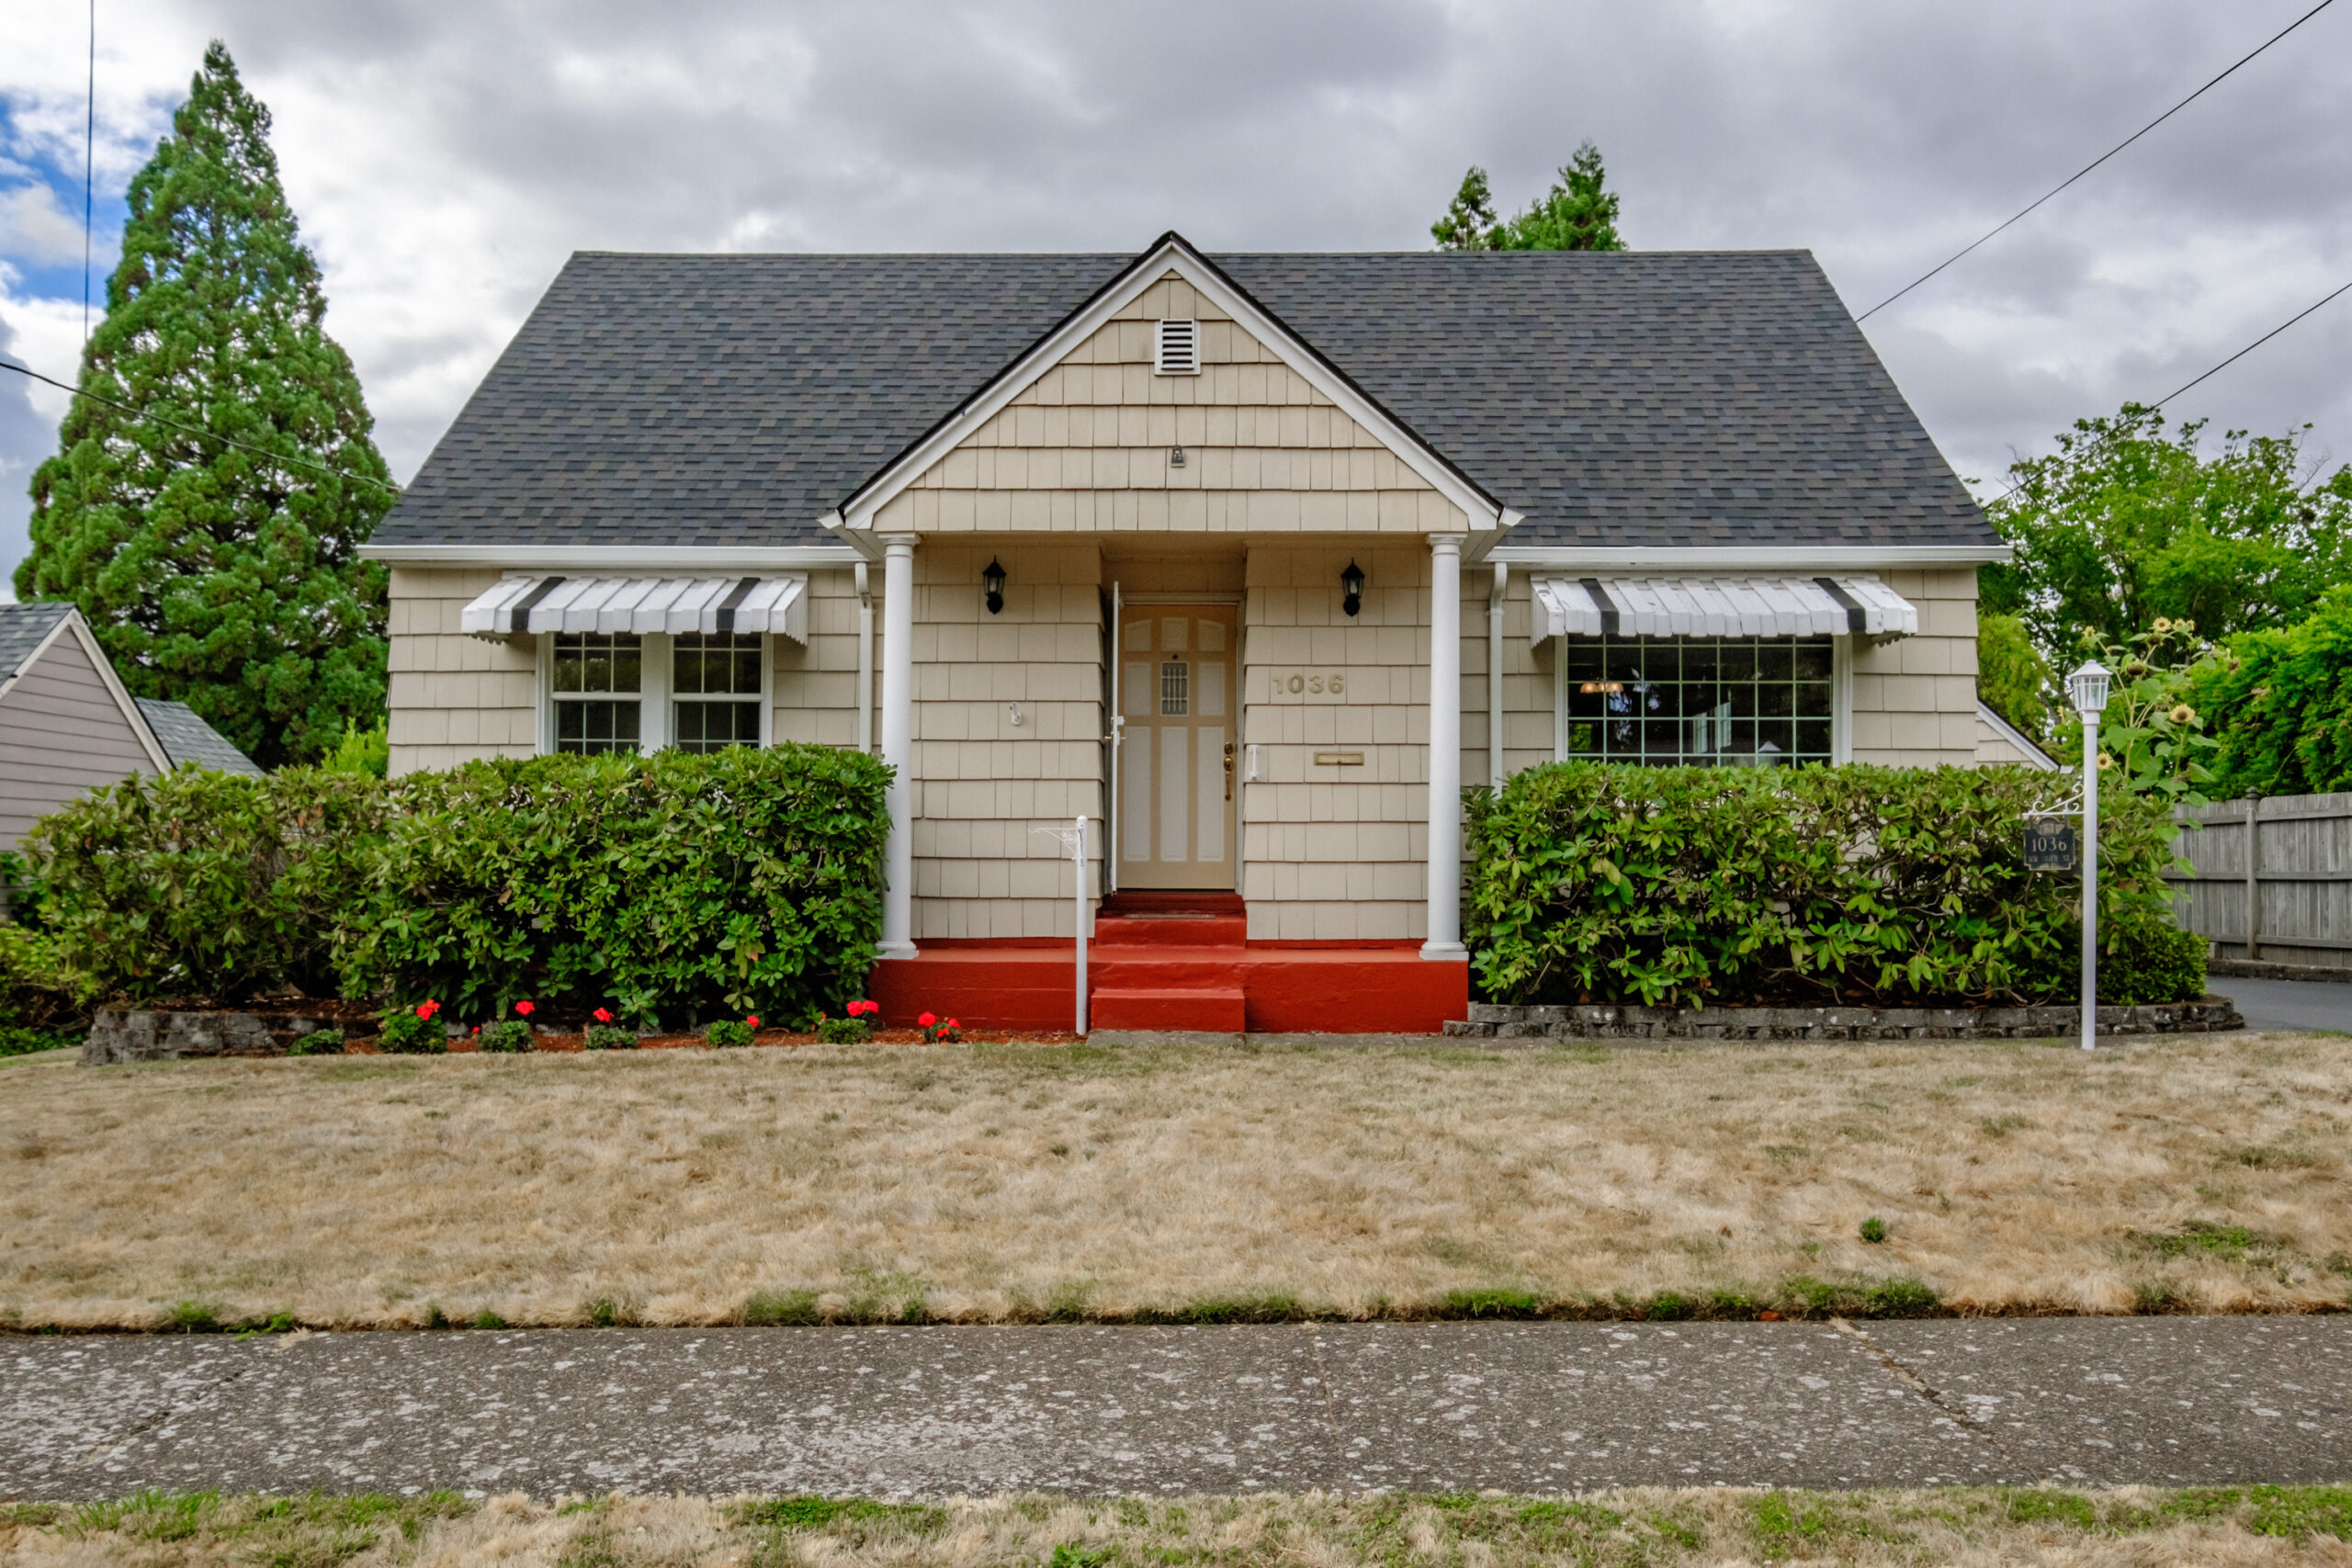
1179,961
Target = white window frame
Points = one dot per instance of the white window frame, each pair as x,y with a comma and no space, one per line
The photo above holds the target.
655,700
550,702
766,698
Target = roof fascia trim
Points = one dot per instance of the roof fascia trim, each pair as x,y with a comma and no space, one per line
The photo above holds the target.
1757,557
148,739
2018,739
589,557
1171,252
8,682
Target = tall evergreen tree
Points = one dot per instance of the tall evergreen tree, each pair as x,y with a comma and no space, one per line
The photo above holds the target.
1578,213
226,578
1469,224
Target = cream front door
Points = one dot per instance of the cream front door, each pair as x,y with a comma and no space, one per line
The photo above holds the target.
1176,673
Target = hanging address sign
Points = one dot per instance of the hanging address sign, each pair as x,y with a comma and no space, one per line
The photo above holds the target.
2049,843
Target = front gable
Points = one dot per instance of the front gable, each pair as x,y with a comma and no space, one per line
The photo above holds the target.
1082,436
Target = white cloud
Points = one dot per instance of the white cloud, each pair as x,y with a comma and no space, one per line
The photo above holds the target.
445,159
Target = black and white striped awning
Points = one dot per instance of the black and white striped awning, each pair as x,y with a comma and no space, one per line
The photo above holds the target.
641,604
1720,607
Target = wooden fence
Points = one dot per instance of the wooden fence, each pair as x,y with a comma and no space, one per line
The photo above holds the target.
2287,861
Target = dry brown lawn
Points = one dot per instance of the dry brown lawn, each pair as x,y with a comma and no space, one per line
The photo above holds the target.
1719,1526
2206,1173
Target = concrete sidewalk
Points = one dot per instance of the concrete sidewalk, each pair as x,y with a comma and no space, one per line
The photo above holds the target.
894,1412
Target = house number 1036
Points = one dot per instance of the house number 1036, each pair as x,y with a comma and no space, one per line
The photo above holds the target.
1302,684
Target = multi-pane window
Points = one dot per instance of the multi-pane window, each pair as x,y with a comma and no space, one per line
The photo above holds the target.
715,691
1702,701
598,677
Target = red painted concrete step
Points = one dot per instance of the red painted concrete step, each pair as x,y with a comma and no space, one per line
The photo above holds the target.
1305,990
1172,930
1225,1011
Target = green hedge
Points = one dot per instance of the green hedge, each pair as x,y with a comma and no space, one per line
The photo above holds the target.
199,884
670,887
1892,886
667,888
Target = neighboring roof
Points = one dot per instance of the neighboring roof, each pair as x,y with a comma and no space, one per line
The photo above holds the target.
2032,754
23,628
1646,399
187,739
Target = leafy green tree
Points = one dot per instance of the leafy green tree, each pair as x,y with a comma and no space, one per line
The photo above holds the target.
223,576
2283,697
1469,224
2012,678
1578,213
2125,524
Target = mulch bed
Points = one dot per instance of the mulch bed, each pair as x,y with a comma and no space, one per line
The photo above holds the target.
765,1037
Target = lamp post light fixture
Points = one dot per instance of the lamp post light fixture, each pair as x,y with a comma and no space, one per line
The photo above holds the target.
2087,688
1352,584
993,580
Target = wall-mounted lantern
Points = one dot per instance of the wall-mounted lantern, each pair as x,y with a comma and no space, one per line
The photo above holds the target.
1351,583
993,580
1176,455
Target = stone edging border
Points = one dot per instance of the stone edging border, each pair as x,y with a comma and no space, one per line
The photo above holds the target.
136,1035
1492,1020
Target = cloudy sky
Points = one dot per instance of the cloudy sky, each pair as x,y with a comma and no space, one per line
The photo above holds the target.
444,158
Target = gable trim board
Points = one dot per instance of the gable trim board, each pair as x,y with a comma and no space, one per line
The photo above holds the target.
73,624
2035,757
854,518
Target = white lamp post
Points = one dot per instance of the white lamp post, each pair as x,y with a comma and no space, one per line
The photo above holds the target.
2087,689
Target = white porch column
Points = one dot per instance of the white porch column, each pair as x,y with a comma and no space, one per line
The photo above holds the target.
897,740
1445,749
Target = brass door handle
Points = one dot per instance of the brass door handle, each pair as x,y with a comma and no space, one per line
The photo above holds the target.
1229,769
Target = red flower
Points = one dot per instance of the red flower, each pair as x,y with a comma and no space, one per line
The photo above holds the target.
425,1010
604,1015
928,1019
953,1024
754,1020
856,1009
523,1008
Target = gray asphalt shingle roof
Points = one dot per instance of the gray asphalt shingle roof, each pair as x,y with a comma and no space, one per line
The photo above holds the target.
185,738
22,627
1636,398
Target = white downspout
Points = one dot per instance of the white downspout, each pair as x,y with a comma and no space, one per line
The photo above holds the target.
1495,675
864,661
898,740
1445,751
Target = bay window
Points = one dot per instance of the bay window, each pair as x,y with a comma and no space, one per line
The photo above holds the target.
1699,701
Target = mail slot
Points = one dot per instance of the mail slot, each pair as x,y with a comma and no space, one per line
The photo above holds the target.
1339,758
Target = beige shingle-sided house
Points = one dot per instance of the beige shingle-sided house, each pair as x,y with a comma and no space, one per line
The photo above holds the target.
1253,560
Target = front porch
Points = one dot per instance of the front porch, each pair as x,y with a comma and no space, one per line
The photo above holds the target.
1178,961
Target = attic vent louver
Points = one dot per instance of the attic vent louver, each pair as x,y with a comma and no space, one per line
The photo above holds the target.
1179,349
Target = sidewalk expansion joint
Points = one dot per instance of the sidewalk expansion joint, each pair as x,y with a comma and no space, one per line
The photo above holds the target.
1913,1381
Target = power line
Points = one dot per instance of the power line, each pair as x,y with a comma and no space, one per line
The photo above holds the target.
2216,371
89,171
278,458
2094,163
2249,348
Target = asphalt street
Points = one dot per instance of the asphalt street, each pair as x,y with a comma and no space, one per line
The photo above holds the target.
2287,1004
903,1412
